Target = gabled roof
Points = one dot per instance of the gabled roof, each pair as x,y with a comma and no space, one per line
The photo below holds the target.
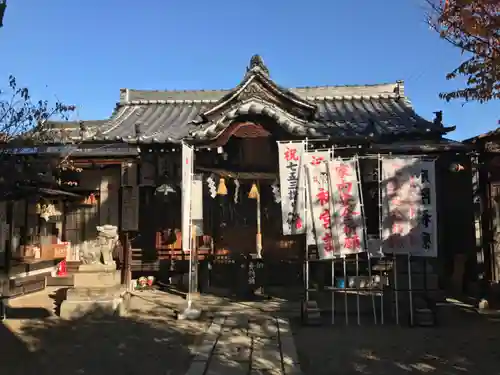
201,115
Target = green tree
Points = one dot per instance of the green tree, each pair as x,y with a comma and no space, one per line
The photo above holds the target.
474,27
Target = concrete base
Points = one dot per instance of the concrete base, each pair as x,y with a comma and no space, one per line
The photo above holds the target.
91,300
190,313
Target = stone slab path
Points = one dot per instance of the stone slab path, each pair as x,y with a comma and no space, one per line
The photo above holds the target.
239,343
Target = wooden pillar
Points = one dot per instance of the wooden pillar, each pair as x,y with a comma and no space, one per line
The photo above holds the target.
8,244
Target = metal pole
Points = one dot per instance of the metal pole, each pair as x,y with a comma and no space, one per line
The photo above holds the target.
381,232
357,288
333,290
345,290
382,292
410,289
370,276
396,289
330,190
307,199
365,235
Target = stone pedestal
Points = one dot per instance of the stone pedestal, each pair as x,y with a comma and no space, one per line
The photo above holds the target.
98,275
97,290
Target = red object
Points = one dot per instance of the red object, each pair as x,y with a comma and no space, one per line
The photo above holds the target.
291,154
61,269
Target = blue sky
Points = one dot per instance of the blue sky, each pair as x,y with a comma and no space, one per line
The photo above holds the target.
83,52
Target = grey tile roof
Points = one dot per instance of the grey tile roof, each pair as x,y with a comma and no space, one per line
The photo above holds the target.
172,115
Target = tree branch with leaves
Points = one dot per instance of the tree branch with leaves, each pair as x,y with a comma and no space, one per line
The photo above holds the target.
474,27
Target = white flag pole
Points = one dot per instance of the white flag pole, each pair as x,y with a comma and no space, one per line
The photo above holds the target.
190,312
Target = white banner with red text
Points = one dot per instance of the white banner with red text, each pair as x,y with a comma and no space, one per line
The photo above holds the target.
292,192
348,224
408,196
315,162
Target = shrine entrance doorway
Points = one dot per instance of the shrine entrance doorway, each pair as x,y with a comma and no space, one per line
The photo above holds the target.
249,250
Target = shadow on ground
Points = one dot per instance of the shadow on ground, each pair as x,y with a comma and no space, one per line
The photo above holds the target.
145,342
464,343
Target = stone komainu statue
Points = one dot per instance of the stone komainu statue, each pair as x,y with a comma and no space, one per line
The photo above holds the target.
101,249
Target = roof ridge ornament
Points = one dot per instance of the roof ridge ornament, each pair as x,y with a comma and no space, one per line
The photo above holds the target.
257,65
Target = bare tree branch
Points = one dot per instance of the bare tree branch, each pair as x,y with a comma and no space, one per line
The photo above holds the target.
23,124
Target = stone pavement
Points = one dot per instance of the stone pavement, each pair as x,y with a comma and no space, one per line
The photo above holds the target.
240,343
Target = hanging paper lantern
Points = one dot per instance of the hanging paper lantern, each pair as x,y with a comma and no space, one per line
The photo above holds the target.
276,191
211,187
236,190
222,189
254,192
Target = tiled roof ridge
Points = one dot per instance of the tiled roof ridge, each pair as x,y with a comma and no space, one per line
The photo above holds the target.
290,88
328,92
312,98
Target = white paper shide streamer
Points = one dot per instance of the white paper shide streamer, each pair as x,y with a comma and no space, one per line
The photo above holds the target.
276,191
292,195
236,190
211,187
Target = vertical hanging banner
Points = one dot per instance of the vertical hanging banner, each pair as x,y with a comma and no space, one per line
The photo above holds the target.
315,162
408,192
187,185
348,221
292,195
320,208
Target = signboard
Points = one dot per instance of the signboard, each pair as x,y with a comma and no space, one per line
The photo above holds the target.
292,195
197,204
408,191
320,204
314,161
187,185
348,222
130,208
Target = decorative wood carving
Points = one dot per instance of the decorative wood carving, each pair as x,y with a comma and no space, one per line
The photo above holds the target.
259,91
249,130
241,130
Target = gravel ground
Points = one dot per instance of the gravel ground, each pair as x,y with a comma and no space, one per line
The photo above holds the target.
148,341
464,343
